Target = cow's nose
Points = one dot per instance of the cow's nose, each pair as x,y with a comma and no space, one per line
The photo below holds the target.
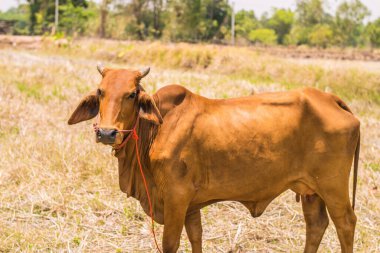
106,136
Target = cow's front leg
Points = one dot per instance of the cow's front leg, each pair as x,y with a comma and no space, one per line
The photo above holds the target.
175,209
193,227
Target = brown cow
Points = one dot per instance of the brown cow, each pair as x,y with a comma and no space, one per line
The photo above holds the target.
197,151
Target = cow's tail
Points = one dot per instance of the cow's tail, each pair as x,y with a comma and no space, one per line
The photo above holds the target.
357,151
356,164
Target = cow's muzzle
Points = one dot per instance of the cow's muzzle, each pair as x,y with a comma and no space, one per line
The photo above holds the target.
106,136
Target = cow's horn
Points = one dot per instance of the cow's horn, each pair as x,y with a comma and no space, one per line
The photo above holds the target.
144,72
100,68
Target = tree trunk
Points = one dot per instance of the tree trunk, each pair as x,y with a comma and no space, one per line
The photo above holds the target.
157,7
103,18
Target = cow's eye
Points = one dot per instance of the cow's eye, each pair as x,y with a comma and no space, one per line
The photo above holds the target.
99,92
132,95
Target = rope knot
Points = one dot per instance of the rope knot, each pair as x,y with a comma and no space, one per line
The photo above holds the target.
134,134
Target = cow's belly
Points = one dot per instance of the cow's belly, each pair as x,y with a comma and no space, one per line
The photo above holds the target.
252,169
246,180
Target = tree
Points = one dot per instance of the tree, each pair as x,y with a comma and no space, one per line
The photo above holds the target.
349,22
321,35
216,14
263,36
373,33
158,25
245,21
142,18
16,20
194,20
74,18
42,13
281,22
103,17
184,20
137,25
309,12
34,7
299,35
204,20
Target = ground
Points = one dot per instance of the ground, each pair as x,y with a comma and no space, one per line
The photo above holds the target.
59,190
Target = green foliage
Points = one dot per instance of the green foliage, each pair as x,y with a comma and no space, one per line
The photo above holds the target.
373,33
194,20
34,7
74,18
184,20
315,27
321,35
281,22
310,12
245,21
263,36
310,15
15,14
42,14
145,19
17,18
216,16
298,35
198,20
349,22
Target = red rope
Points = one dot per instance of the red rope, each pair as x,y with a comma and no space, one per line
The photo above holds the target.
136,138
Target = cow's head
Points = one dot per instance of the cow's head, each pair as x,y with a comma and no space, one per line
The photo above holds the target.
119,101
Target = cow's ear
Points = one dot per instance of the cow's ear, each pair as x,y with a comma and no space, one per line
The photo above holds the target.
87,109
148,109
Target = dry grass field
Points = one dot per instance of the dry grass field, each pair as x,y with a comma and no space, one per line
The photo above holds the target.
59,190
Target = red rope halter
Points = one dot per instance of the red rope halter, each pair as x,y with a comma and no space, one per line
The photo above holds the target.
133,133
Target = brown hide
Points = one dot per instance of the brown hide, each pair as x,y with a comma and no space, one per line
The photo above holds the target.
247,149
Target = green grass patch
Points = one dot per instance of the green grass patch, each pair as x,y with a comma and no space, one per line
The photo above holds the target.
76,241
9,132
374,166
30,90
58,93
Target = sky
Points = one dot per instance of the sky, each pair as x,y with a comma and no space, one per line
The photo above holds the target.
259,6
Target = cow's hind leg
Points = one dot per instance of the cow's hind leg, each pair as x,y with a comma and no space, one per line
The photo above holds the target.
344,219
193,227
335,194
314,210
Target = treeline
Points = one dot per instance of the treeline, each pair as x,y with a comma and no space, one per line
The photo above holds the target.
199,20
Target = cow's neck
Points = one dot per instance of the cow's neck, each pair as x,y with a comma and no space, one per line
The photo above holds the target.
130,178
